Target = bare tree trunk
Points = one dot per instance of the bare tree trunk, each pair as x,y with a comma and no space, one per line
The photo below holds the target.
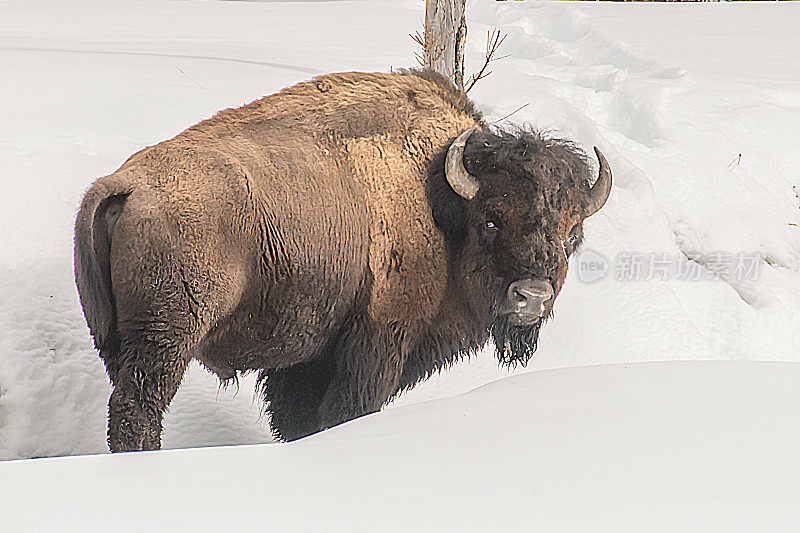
445,35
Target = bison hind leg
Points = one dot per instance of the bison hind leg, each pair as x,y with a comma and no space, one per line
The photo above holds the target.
148,377
293,395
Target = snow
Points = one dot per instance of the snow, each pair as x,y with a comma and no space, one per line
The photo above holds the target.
647,447
697,108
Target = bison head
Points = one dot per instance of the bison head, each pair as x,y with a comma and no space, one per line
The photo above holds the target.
523,200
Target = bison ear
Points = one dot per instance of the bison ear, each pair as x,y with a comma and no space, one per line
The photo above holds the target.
457,176
602,187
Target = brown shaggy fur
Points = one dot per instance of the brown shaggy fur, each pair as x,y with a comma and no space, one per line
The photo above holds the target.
295,236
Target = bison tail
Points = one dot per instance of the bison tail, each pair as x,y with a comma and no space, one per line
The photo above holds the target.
94,227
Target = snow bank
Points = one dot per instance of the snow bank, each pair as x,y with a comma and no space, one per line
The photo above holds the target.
704,153
645,447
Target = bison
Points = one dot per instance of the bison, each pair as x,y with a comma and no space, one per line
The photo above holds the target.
344,238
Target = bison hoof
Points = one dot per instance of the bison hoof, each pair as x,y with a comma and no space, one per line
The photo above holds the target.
129,426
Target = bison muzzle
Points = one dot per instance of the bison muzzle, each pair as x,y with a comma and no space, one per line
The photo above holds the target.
345,238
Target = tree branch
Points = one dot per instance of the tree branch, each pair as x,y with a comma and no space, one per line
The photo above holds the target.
494,40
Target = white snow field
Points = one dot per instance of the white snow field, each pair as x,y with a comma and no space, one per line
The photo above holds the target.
702,446
697,108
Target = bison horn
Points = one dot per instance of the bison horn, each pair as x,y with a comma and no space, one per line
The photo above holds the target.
601,188
459,179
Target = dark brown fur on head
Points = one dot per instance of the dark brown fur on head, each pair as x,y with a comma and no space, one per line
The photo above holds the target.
524,223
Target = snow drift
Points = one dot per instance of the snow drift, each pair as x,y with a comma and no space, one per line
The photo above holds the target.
646,447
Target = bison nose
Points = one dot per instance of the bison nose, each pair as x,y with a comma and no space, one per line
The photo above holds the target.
528,297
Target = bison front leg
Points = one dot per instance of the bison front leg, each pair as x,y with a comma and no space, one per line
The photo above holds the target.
369,363
293,396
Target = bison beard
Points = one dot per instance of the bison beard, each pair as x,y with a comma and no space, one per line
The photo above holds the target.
515,344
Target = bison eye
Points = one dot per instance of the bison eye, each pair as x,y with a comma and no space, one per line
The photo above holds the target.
488,230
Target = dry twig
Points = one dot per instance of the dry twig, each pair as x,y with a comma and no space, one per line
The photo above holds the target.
190,78
420,39
494,40
523,106
429,47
